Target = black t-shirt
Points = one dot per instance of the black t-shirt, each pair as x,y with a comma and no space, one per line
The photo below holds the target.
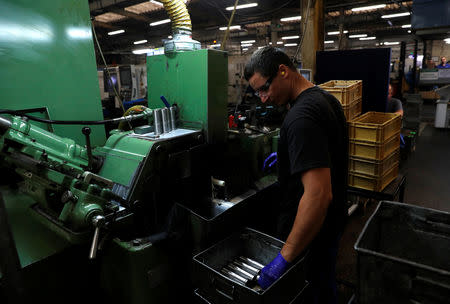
313,135
394,105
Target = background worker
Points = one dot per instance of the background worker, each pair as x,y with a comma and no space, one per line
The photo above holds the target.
443,64
312,163
394,105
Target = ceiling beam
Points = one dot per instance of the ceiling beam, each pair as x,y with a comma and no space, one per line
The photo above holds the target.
104,25
132,15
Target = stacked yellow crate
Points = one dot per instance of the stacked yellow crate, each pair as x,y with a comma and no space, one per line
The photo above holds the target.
374,150
349,93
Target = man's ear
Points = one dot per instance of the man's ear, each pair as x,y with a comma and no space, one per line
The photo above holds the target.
283,69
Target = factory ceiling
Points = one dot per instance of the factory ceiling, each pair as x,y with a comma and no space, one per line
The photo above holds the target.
256,23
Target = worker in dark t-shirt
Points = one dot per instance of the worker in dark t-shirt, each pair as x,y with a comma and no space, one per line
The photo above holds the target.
394,105
312,171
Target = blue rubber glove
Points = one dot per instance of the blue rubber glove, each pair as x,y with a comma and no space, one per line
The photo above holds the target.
270,161
271,272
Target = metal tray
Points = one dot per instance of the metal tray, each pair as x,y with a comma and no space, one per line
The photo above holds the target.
217,287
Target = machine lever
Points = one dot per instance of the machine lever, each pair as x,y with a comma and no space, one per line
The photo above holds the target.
87,131
98,222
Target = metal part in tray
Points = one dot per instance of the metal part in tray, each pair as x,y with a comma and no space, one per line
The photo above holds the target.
244,270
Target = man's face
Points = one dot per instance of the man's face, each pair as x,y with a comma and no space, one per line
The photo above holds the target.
269,88
444,60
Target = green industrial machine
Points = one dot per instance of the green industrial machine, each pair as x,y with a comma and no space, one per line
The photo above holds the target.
118,219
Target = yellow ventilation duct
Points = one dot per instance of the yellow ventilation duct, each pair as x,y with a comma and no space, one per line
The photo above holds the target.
181,27
178,14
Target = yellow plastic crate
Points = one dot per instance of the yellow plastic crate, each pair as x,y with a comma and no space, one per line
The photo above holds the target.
346,91
373,183
353,110
374,151
373,167
375,127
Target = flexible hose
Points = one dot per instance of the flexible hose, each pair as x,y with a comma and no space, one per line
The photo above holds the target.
131,111
178,14
76,122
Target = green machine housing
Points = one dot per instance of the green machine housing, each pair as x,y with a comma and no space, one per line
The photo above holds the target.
147,202
197,82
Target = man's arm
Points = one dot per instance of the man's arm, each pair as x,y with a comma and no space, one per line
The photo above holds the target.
311,212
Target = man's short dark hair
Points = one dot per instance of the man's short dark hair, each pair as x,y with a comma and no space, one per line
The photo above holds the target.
266,61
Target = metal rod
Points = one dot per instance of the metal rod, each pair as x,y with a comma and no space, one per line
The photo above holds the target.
235,275
246,266
259,265
157,121
241,271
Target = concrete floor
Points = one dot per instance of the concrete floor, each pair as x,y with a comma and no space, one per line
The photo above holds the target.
427,176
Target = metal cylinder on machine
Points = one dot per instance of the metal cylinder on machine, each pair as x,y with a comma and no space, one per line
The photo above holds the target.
167,127
157,121
173,118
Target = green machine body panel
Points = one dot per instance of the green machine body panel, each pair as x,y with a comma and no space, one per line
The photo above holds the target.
48,62
123,154
143,274
197,82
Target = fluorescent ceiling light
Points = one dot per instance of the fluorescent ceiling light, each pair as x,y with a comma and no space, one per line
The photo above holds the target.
116,32
391,43
291,18
270,43
160,22
248,41
244,49
140,42
336,33
328,41
396,15
409,31
368,38
358,36
156,2
230,8
406,26
260,47
233,27
290,37
142,51
246,45
370,7
290,44
279,42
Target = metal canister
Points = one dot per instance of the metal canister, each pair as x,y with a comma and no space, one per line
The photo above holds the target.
157,121
173,118
166,120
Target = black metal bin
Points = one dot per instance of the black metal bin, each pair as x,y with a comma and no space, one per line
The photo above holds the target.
217,288
404,255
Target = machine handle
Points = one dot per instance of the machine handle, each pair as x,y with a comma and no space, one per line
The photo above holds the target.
164,100
98,222
87,132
